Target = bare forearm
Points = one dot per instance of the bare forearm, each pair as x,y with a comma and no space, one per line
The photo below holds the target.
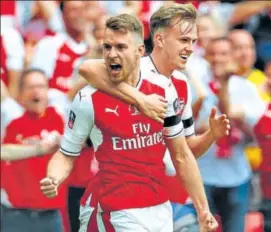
244,10
13,86
60,166
11,152
199,144
99,79
188,171
223,96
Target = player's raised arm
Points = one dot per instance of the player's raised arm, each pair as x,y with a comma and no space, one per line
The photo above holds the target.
77,130
95,72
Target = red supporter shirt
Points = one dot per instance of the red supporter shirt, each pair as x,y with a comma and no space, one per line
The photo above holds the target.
20,179
262,132
129,146
59,61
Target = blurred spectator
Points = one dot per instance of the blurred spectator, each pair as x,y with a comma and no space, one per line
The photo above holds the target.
12,59
208,29
257,116
245,56
229,14
224,168
65,48
23,207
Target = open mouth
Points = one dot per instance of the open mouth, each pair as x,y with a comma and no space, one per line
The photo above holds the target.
115,67
36,100
184,57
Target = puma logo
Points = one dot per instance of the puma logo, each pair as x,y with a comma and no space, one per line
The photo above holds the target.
81,96
108,110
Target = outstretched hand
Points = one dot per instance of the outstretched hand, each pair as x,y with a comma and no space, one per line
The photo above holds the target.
219,125
154,107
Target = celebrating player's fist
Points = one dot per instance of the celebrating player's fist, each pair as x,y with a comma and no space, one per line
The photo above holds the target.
49,187
207,222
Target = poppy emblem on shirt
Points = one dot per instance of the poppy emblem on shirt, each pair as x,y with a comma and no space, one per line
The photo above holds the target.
72,117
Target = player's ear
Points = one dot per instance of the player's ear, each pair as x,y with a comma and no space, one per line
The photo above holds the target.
159,39
141,50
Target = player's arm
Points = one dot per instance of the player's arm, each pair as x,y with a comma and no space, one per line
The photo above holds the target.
233,111
76,132
186,166
10,152
199,144
95,72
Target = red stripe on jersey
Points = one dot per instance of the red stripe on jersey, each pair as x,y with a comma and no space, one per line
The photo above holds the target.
92,224
107,224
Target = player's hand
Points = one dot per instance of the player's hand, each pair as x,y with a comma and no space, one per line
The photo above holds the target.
49,187
50,144
207,221
154,107
219,125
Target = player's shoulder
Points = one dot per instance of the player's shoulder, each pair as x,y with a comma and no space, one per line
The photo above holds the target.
84,96
179,76
156,79
53,41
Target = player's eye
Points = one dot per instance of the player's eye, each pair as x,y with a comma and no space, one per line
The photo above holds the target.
106,47
121,47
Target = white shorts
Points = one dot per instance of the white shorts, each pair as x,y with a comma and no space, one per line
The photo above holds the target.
155,219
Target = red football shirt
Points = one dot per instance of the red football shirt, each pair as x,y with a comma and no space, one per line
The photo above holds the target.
129,146
20,179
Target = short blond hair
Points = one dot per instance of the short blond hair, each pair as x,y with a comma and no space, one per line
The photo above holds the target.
125,23
163,18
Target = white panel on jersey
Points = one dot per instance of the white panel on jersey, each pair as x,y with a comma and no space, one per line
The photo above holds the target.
14,46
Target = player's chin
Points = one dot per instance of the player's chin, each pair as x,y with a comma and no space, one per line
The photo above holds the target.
116,79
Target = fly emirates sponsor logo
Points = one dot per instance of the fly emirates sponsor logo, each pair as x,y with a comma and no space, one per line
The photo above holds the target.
139,140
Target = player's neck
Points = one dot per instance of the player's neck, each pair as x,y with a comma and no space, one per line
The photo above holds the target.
159,63
75,35
134,77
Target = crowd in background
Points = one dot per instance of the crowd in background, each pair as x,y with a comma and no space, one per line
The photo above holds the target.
44,42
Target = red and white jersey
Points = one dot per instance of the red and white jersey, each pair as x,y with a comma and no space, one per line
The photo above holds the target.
20,182
12,52
181,84
57,56
177,193
129,146
258,117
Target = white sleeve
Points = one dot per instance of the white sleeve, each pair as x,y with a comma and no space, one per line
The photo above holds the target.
173,125
79,125
10,110
187,116
56,22
248,99
45,56
14,45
